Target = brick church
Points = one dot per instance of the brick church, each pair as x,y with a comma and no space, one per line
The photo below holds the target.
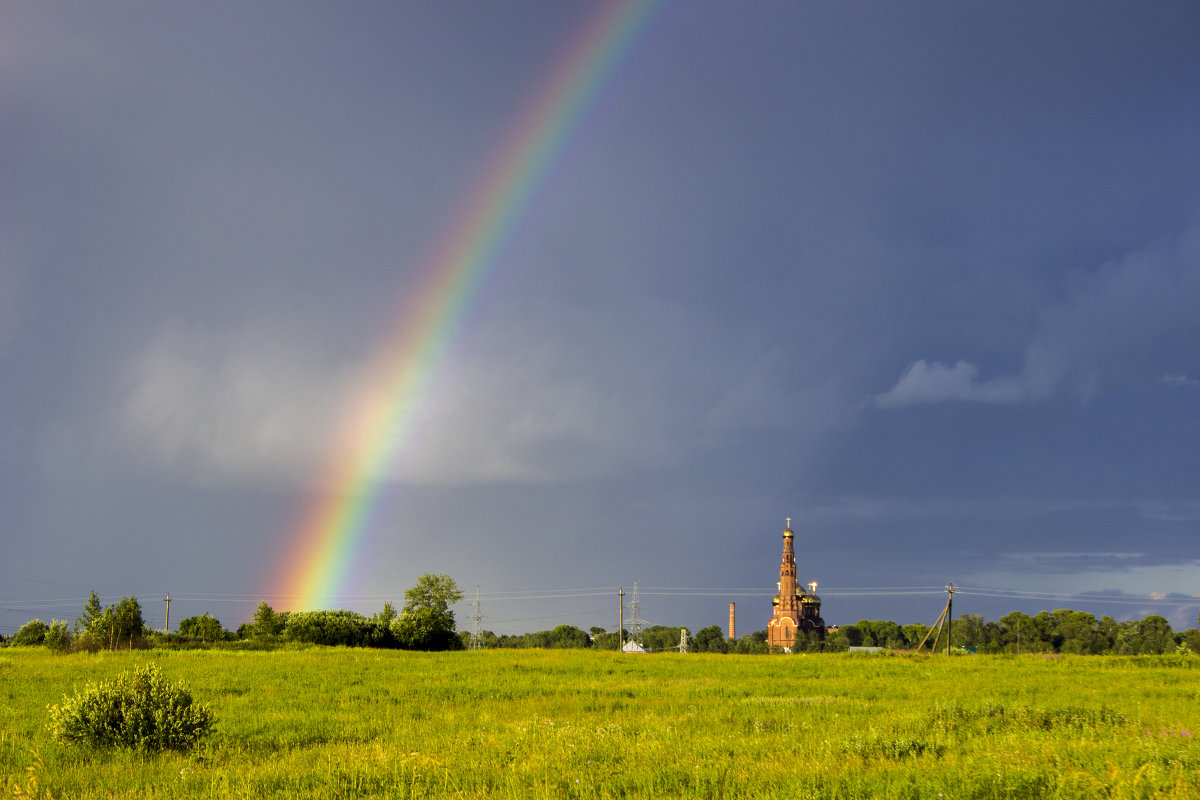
794,609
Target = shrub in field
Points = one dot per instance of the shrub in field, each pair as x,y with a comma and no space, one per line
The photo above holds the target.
138,710
31,634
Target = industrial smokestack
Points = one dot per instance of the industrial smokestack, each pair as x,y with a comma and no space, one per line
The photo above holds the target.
732,628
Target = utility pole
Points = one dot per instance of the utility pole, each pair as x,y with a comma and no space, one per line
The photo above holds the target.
941,624
950,587
167,622
621,618
476,624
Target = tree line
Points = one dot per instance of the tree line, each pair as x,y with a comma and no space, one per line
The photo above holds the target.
1061,631
426,622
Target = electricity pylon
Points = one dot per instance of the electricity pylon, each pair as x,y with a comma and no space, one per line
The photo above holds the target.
635,620
476,642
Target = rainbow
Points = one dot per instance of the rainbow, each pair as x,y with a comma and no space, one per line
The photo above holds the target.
322,547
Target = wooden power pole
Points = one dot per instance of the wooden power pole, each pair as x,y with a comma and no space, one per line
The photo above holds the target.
167,622
949,614
942,623
621,619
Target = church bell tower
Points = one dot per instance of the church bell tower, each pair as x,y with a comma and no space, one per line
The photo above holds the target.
793,608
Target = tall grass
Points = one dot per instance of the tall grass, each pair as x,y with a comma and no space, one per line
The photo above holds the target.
342,722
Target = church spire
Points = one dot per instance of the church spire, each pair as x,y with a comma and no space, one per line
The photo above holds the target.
791,604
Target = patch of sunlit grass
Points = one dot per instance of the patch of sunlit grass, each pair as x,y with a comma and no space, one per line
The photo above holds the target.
344,722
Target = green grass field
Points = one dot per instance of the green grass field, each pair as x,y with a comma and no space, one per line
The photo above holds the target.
526,723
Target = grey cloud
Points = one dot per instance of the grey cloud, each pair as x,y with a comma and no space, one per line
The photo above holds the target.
229,405
265,403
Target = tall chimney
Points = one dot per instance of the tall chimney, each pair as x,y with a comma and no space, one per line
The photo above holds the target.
732,628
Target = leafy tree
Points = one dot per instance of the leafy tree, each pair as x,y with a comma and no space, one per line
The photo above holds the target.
1021,632
93,612
203,627
427,622
605,640
31,634
1108,629
125,622
657,638
968,631
58,636
1079,632
752,643
1156,636
913,634
878,633
385,616
1046,631
711,640
434,592
267,622
807,642
425,629
1126,642
568,636
835,642
345,628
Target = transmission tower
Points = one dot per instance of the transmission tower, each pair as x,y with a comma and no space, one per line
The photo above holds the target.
683,640
635,621
476,642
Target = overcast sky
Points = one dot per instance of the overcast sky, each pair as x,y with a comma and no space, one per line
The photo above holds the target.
923,277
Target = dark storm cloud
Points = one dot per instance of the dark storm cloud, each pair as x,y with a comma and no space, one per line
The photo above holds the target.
1113,325
920,277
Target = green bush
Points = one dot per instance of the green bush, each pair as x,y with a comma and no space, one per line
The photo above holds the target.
138,710
204,628
31,634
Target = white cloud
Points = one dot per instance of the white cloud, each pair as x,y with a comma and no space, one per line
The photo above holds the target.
1107,324
1177,379
935,382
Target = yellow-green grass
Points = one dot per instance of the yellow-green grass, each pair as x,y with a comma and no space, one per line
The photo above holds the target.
357,723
